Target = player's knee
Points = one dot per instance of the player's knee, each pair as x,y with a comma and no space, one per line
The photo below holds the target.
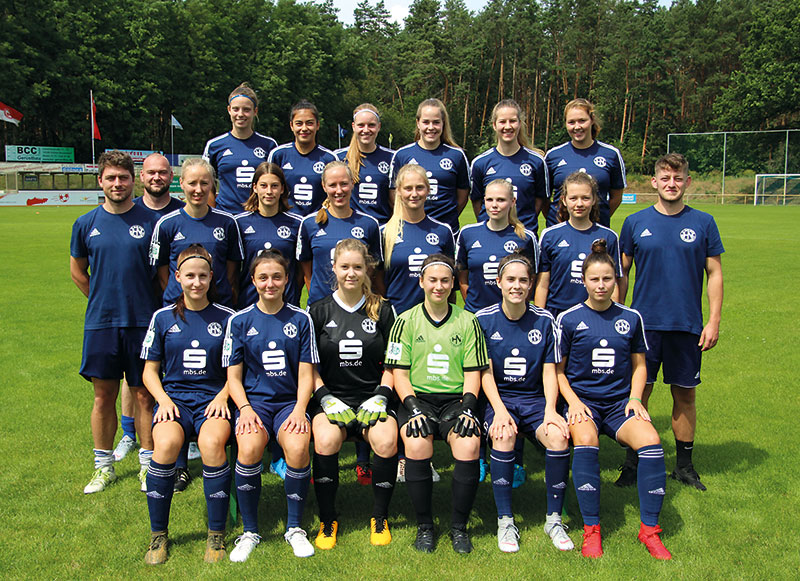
465,448
327,441
683,397
384,446
585,439
554,440
210,443
250,451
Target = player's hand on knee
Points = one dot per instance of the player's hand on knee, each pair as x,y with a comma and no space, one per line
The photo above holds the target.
373,410
419,424
552,420
218,408
635,407
167,411
248,422
336,410
578,413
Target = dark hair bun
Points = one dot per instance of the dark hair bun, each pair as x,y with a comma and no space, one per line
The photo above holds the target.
599,246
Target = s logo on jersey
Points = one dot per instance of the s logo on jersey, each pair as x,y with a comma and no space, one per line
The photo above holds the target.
576,269
303,192
219,234
136,231
350,351
514,367
214,329
284,232
490,270
603,359
274,359
622,326
433,194
526,169
438,364
290,330
194,359
535,336
415,261
688,235
368,191
244,174
446,164
600,161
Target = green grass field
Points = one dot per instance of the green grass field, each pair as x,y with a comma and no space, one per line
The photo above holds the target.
747,449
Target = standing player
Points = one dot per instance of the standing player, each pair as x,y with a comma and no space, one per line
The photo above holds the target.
192,400
446,165
522,390
369,163
268,223
410,237
437,352
584,153
513,160
601,376
352,328
197,223
672,246
334,221
302,160
270,354
109,245
564,247
234,155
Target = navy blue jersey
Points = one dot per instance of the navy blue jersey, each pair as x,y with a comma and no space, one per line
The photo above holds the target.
562,250
525,170
271,348
371,193
670,253
303,175
415,243
351,345
235,161
317,242
121,288
190,351
218,234
601,161
261,233
479,251
174,204
519,349
597,347
447,170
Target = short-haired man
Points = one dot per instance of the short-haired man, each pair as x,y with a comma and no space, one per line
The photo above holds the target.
673,246
156,177
109,264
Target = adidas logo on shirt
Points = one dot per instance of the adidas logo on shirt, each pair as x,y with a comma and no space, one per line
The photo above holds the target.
332,324
581,326
420,339
491,171
496,336
563,244
287,165
645,233
252,332
218,494
658,491
250,230
174,329
227,152
414,161
320,233
562,162
179,236
94,232
476,244
587,488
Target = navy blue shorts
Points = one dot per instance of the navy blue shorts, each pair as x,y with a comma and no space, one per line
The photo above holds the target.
527,411
272,415
192,410
112,353
608,417
680,355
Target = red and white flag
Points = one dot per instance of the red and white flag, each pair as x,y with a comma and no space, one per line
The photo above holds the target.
10,114
95,128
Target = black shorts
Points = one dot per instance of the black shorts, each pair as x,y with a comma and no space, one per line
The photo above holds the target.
438,405
354,430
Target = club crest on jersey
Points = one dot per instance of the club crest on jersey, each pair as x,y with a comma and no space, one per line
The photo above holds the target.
357,232
535,336
136,231
456,339
284,232
510,246
600,161
383,167
526,169
219,234
290,330
432,239
369,326
318,167
622,326
214,329
259,152
446,164
688,235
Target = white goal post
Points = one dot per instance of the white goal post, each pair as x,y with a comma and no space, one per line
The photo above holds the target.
776,188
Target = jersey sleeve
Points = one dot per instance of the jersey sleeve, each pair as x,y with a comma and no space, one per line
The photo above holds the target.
462,178
545,261
626,237
77,242
317,318
207,155
308,344
476,357
304,243
477,181
461,251
374,242
551,352
713,240
638,341
532,250
564,337
393,168
386,320
613,251
449,245
398,348
159,245
235,246
233,344
153,344
617,178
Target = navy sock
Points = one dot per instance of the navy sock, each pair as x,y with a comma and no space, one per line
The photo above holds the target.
183,456
465,485
128,427
384,475
216,486
519,448
296,488
160,484
362,453
419,483
248,490
556,472
326,484
586,477
651,482
502,478
683,453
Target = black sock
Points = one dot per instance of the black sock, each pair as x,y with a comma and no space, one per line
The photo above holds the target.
326,483
419,483
683,452
384,474
631,457
465,485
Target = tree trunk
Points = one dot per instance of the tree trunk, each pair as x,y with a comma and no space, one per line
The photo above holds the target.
644,141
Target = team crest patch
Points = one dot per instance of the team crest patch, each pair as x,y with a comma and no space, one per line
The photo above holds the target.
259,152
219,234
368,325
215,329
284,232
446,164
622,326
357,232
318,167
136,231
394,350
456,339
535,336
688,235
227,347
526,169
148,339
510,246
383,167
432,239
290,330
600,161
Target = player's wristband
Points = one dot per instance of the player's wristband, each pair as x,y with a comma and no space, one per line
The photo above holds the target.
634,399
470,402
384,390
247,405
411,403
321,392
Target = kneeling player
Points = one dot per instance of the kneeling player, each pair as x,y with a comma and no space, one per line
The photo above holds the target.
602,376
523,391
437,352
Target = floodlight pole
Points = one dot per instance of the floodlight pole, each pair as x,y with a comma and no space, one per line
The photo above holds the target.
724,159
785,166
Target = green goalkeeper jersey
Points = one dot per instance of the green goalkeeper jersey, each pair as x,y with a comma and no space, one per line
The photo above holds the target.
437,354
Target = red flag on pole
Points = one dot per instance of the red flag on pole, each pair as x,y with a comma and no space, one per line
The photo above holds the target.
95,128
9,114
